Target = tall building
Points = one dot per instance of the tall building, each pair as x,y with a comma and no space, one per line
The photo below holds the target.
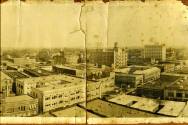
156,52
101,57
120,56
116,57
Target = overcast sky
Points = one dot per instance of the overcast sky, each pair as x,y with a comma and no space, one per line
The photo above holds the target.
50,24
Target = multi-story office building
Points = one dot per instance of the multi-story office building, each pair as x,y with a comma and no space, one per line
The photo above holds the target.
6,85
67,90
62,90
156,52
116,57
59,95
120,57
101,57
23,105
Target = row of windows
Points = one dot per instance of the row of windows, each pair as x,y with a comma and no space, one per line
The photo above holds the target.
180,95
63,101
21,108
60,96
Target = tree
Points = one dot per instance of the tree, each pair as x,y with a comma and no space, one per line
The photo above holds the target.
44,55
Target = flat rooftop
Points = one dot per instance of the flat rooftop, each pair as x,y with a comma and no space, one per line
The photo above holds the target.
144,104
169,108
4,76
51,78
110,109
185,111
74,111
172,108
73,67
56,87
15,74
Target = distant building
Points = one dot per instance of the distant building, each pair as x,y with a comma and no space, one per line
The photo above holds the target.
6,85
94,73
82,58
166,66
120,57
101,57
59,59
116,57
135,56
73,70
23,105
23,61
170,54
72,58
156,52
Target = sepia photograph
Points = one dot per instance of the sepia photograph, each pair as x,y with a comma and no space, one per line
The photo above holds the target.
94,61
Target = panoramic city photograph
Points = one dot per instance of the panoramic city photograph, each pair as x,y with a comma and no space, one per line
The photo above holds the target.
93,61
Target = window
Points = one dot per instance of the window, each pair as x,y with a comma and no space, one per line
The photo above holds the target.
186,95
170,94
47,98
179,95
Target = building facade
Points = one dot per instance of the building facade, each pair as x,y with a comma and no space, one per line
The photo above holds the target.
177,91
116,57
101,57
128,80
120,57
56,96
156,52
6,85
22,105
149,74
98,88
